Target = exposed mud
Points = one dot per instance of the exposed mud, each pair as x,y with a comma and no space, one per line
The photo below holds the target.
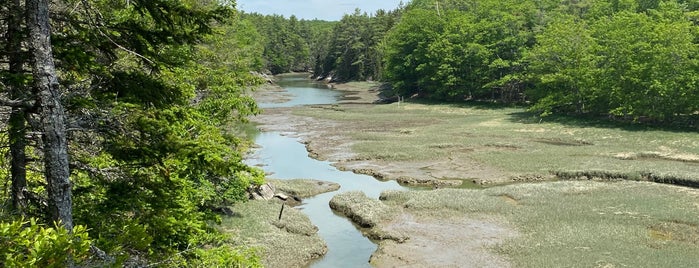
407,240
329,141
457,242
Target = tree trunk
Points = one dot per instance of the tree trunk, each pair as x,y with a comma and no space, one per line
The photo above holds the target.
51,113
17,123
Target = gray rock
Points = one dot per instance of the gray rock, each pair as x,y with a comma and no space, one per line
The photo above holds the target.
262,192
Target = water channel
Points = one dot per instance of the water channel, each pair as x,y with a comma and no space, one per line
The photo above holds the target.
286,158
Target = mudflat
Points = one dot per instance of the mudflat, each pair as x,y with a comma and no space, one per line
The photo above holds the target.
602,215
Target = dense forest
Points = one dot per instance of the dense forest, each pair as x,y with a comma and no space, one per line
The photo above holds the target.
116,131
117,116
629,59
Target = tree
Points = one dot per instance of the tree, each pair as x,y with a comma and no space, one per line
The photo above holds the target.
135,101
458,60
15,80
406,49
562,66
650,63
354,51
286,46
51,113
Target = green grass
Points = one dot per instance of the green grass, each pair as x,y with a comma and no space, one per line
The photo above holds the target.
362,210
512,141
291,242
304,187
578,224
359,86
616,223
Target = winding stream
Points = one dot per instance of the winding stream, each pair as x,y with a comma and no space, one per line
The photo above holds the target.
287,158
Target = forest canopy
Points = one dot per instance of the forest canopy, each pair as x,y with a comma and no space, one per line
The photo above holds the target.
632,59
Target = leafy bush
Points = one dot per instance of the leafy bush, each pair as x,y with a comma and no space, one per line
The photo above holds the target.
28,244
225,256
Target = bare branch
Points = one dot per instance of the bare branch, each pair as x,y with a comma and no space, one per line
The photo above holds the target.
27,104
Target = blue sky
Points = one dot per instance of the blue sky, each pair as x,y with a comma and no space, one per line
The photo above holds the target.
312,9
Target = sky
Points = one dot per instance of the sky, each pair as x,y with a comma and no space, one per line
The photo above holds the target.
331,10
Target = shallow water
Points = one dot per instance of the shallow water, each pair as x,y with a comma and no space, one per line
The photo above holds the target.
303,92
286,158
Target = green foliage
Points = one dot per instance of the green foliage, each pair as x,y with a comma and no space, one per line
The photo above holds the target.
4,164
406,50
461,52
563,67
29,244
152,88
633,59
354,51
225,256
288,43
650,63
343,51
626,64
177,167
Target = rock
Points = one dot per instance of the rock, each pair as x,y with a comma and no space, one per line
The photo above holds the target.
262,192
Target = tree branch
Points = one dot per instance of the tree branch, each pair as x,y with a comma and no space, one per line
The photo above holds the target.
26,104
97,23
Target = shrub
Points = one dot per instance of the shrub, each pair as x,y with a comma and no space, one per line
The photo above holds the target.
28,244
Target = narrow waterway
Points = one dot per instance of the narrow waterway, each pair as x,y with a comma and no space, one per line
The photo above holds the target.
286,158
303,91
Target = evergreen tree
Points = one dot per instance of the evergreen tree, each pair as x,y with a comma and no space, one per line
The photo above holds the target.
134,118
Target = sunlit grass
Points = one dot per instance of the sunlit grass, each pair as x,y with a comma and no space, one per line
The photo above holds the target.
578,224
512,141
560,224
364,211
289,242
304,187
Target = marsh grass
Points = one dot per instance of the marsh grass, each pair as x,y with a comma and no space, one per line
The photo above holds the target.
511,141
362,210
304,187
604,217
360,86
578,223
279,242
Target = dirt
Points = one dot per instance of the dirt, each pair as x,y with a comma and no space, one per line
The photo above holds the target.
457,242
